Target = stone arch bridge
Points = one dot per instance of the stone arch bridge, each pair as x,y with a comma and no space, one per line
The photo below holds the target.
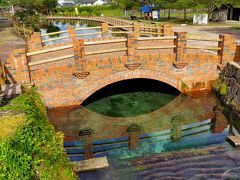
72,68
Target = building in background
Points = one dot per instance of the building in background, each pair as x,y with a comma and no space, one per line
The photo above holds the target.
64,3
91,2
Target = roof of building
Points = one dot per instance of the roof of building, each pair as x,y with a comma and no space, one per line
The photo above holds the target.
90,1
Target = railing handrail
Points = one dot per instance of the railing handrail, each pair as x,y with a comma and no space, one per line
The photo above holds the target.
206,48
54,33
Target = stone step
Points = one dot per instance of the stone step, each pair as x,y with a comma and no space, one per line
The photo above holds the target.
234,140
90,164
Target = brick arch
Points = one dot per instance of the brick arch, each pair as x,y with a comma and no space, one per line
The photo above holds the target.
93,87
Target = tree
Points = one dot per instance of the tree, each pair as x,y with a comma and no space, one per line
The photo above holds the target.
38,5
49,5
210,5
126,5
166,4
184,5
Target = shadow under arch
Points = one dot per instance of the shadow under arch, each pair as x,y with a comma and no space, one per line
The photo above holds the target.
100,83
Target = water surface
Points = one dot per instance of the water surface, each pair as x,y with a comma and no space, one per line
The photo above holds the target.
181,137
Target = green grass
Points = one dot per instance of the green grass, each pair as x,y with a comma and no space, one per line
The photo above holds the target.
112,13
9,124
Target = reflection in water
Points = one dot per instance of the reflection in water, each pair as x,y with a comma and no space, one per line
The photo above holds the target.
187,122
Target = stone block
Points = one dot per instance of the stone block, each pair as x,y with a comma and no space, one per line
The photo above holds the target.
91,164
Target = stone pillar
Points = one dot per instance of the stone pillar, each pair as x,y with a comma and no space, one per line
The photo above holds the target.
132,51
228,48
104,29
136,30
219,121
176,128
35,42
134,131
78,49
180,49
72,33
167,30
22,68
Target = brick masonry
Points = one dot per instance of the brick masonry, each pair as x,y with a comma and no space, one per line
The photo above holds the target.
59,85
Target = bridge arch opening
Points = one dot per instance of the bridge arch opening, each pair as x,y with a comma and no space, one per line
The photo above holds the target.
132,97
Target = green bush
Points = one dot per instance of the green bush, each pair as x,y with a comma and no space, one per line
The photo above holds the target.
34,151
84,13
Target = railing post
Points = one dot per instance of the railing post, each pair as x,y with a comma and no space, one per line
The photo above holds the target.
219,121
72,33
35,41
79,57
104,29
134,131
132,51
167,30
228,48
176,128
181,43
86,135
136,30
17,67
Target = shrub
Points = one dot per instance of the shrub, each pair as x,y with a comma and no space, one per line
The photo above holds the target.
34,151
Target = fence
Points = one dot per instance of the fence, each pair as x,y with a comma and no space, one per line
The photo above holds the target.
22,30
107,31
76,150
130,45
2,76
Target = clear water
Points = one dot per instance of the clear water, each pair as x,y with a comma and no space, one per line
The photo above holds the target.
56,26
130,104
174,128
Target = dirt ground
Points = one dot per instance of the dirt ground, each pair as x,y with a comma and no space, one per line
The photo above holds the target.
9,40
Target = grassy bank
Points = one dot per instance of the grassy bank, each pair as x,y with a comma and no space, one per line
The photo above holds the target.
31,149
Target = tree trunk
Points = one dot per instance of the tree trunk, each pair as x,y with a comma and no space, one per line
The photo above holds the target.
169,13
185,15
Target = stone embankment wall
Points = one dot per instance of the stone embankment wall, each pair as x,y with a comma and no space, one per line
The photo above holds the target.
228,86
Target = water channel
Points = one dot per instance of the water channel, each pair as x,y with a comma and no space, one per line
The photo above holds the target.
180,136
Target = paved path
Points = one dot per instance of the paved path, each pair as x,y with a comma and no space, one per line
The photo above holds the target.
8,39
